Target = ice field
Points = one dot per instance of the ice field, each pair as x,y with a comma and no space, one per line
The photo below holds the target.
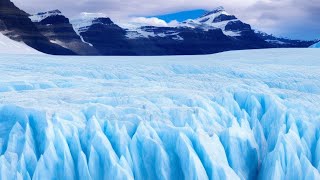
235,115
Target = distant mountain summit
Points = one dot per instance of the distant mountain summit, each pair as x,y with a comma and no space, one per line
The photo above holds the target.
43,15
216,15
219,19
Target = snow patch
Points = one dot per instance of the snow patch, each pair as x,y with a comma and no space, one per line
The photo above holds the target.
9,46
82,23
43,15
275,41
206,22
317,45
147,32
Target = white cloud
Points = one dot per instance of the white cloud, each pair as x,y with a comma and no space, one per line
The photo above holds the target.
148,21
173,23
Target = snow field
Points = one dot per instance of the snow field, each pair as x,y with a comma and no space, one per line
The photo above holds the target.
9,46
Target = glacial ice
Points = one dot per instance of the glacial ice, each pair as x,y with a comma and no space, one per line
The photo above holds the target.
235,115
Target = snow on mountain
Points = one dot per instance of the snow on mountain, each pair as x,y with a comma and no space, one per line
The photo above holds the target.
213,16
151,31
43,15
317,45
142,27
153,28
217,18
84,21
9,46
234,115
58,29
135,27
271,39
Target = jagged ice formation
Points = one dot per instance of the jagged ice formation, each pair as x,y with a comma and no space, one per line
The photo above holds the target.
235,115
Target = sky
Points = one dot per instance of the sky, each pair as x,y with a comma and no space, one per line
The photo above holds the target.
297,19
182,16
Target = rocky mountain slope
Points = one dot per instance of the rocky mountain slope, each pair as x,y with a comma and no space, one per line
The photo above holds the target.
58,30
16,24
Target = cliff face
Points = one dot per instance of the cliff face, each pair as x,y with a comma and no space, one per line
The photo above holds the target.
57,29
16,24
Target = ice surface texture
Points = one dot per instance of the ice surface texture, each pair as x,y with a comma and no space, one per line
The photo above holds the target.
235,115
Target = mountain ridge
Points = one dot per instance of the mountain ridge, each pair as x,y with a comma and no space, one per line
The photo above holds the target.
212,32
229,24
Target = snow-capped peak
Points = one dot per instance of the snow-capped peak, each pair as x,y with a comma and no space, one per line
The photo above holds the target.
218,18
214,11
42,15
85,20
215,16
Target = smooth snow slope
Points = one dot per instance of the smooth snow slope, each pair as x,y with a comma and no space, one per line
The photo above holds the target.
317,45
234,115
9,46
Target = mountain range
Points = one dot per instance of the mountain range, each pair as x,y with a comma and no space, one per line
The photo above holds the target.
215,31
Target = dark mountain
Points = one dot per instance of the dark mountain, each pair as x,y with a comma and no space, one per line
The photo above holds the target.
283,42
16,24
58,30
107,37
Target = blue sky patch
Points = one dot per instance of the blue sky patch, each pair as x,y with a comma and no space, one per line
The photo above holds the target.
182,16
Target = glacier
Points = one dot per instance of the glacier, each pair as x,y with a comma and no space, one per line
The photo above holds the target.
236,115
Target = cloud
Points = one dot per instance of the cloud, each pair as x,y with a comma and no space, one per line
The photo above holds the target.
149,21
292,18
